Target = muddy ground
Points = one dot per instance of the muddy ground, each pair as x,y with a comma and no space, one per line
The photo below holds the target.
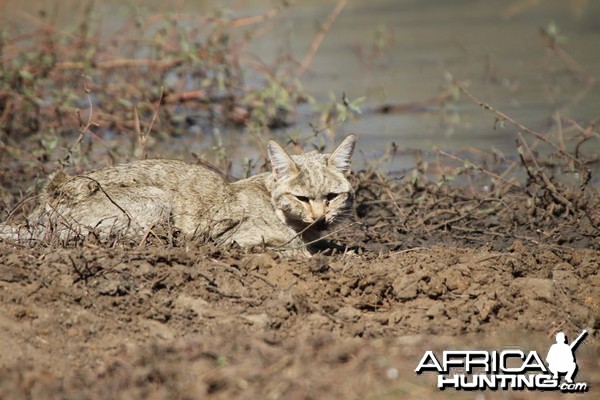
429,267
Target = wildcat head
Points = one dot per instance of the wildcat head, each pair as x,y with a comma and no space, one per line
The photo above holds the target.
311,189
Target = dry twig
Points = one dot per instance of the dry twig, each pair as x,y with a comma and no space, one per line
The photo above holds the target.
316,43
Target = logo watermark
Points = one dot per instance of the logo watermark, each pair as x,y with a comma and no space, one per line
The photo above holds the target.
507,369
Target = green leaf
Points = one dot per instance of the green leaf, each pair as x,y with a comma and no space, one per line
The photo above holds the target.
26,75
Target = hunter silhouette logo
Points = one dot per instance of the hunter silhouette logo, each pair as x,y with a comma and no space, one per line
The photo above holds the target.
507,369
560,357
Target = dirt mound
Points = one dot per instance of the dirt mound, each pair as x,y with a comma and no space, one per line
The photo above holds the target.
181,323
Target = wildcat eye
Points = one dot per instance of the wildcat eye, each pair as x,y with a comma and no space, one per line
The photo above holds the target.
303,199
331,196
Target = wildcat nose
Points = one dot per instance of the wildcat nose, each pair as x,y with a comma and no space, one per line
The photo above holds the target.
317,209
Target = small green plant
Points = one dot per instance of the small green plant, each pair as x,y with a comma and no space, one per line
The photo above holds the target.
198,65
336,113
552,33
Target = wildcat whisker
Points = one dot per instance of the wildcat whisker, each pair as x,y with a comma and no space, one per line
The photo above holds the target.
322,237
299,234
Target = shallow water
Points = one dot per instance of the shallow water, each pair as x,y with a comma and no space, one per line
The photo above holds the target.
494,45
461,39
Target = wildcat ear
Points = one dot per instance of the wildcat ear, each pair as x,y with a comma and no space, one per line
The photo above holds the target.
281,162
340,158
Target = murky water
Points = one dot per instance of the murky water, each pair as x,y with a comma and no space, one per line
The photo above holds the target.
494,45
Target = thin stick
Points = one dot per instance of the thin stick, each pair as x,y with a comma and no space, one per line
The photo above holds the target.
500,115
144,136
572,63
122,63
19,204
256,19
83,128
560,133
316,43
299,234
389,193
477,167
304,245
407,250
129,219
540,173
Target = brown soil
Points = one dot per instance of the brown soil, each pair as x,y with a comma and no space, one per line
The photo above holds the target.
433,268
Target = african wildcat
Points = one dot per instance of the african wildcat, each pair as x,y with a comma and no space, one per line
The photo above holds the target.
284,209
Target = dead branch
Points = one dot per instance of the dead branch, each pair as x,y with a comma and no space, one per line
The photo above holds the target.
120,63
539,173
503,117
480,169
316,43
